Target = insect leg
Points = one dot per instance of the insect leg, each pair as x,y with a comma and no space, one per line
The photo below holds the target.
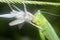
7,15
16,8
16,22
35,25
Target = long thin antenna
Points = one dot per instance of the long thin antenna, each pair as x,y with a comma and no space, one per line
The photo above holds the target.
50,13
9,5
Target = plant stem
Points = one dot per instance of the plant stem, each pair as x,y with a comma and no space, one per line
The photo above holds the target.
32,2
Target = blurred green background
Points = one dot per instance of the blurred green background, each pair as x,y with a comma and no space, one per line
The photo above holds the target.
14,33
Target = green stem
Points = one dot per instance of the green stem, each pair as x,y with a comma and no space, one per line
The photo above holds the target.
32,2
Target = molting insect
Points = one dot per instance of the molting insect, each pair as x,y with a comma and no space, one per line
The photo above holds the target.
21,16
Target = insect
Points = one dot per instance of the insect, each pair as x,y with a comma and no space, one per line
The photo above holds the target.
21,16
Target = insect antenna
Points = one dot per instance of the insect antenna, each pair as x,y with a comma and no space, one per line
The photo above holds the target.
50,13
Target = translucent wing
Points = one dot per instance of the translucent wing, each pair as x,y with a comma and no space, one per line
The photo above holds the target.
16,22
20,25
